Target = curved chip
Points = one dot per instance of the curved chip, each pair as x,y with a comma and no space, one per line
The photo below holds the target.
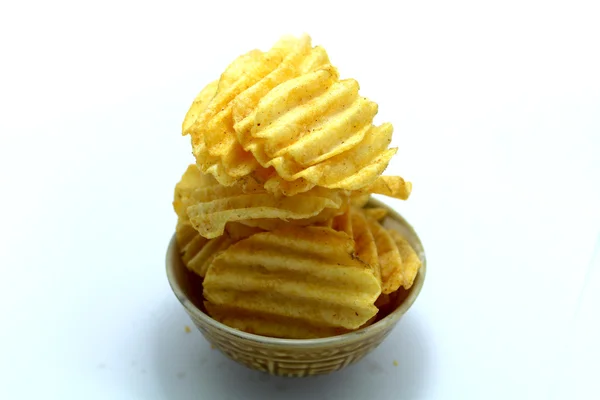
307,274
198,106
285,118
392,186
324,218
366,248
196,251
210,208
191,180
389,258
410,260
243,84
319,129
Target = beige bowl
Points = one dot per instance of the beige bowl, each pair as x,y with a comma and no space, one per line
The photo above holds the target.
293,357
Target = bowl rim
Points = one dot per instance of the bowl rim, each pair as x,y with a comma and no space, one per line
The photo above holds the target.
389,320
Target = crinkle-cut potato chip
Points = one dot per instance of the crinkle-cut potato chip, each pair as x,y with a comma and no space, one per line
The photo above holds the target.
212,207
324,218
318,128
389,258
392,186
410,260
244,82
308,274
209,206
198,106
191,180
266,324
196,251
366,248
285,118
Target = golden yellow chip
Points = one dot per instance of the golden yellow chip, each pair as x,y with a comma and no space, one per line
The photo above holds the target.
184,232
271,215
213,140
199,105
244,82
308,274
410,260
366,248
196,251
319,129
191,180
324,218
298,58
285,118
389,258
212,207
392,186
209,206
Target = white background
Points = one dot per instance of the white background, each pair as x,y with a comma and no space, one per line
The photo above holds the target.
496,108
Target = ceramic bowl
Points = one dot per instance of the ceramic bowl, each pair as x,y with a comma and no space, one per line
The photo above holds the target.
294,357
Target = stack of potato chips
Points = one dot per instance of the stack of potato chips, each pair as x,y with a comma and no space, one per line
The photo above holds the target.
271,215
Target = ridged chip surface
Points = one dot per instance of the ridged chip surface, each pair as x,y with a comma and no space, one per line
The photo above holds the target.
209,206
308,274
285,118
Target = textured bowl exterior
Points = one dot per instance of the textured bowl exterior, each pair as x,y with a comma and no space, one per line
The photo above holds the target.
292,357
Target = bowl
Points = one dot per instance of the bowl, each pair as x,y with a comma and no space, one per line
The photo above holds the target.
295,357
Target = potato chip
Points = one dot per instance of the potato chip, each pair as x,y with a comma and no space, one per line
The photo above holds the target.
366,248
199,105
392,186
196,251
191,180
212,207
319,129
285,118
389,258
324,218
298,54
410,260
308,274
272,214
213,140
244,82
